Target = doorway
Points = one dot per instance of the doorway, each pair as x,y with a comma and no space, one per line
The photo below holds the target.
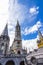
10,63
22,63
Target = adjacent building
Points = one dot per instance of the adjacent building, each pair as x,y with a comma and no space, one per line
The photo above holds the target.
36,56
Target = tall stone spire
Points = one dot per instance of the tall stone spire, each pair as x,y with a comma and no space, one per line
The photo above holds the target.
5,32
17,31
17,43
17,23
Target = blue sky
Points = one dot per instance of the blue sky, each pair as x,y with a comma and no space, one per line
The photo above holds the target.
38,17
29,13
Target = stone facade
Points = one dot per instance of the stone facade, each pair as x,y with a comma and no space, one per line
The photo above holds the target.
36,56
16,55
12,60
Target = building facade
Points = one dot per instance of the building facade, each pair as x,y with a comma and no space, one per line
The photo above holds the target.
36,56
16,55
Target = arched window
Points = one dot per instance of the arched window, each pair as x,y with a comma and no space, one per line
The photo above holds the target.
39,63
2,44
22,63
18,42
10,63
18,52
0,64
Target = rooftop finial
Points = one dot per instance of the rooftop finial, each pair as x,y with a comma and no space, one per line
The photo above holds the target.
17,22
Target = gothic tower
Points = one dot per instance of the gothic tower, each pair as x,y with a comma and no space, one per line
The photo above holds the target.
4,41
17,43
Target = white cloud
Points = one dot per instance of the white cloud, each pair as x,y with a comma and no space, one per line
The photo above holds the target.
20,12
32,29
16,11
30,44
12,36
34,10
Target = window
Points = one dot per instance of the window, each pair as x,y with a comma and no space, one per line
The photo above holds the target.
0,64
18,42
3,37
38,41
22,63
40,64
18,52
2,44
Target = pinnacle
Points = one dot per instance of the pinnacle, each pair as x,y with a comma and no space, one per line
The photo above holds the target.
5,32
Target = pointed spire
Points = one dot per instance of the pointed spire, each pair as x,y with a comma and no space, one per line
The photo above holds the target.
40,34
17,23
5,32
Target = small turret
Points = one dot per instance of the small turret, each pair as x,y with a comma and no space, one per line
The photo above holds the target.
40,34
40,41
